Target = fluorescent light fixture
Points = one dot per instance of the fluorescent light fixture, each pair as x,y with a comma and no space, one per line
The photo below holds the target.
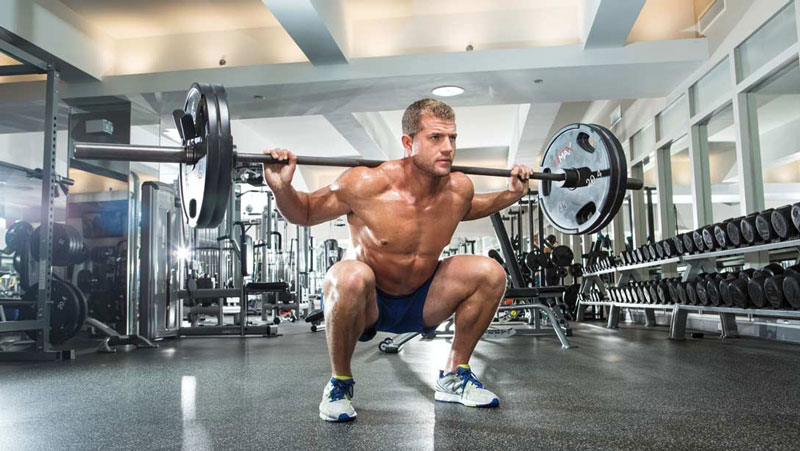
447,91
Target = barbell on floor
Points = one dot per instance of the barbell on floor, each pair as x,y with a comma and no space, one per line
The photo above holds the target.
587,159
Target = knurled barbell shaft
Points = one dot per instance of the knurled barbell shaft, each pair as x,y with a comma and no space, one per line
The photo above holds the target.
182,155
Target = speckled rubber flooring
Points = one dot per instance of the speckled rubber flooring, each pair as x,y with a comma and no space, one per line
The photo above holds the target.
625,389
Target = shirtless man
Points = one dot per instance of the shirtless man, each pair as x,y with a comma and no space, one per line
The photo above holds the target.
401,215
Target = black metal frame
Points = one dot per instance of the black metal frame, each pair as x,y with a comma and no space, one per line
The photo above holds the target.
41,349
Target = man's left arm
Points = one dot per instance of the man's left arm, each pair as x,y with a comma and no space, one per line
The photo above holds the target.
483,205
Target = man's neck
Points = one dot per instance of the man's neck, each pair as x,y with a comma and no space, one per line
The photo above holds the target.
419,183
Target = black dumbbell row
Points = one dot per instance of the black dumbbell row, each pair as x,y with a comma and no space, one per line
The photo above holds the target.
594,296
771,225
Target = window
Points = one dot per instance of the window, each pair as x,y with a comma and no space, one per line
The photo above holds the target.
723,170
672,121
777,106
681,184
767,42
710,89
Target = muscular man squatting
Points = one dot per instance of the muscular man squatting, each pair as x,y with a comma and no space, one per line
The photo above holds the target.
401,216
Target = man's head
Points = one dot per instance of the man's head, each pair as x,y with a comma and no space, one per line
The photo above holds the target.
429,135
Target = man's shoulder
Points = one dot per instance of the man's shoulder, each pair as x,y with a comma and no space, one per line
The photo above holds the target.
363,179
461,183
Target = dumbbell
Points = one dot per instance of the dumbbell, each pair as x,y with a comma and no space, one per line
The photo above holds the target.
651,248
645,253
712,287
634,293
755,288
709,241
702,291
724,288
733,234
773,290
677,242
697,239
663,292
764,226
688,242
640,292
748,228
691,293
673,292
796,215
791,285
738,288
781,220
680,289
669,247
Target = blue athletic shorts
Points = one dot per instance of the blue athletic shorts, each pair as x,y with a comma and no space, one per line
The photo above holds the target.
401,314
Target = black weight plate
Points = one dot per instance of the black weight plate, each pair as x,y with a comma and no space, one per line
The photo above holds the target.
83,307
84,280
588,208
224,182
620,151
691,293
64,310
561,256
791,286
198,182
18,235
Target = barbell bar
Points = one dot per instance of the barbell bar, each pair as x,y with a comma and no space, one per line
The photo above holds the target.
185,155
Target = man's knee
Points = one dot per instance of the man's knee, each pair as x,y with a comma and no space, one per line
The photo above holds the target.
349,278
494,276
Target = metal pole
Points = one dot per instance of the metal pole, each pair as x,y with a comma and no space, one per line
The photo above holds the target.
47,211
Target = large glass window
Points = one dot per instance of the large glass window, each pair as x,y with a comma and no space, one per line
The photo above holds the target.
672,121
651,196
712,87
777,105
681,184
644,141
723,170
767,42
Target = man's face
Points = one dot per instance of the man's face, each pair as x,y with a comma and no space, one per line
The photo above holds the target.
433,147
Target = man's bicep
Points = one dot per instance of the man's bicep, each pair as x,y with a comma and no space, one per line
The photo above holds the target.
326,204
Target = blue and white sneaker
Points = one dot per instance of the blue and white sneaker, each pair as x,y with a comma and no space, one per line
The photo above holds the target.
464,388
336,403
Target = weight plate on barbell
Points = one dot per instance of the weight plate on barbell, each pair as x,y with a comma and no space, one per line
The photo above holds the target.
589,208
224,181
619,152
198,181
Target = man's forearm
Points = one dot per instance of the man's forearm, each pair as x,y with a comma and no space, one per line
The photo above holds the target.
292,204
485,204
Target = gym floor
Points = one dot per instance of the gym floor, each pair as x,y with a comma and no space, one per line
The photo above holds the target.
625,389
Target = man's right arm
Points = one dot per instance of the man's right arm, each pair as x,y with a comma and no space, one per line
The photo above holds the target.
301,208
308,209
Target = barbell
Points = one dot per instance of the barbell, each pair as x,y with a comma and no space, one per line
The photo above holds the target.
583,171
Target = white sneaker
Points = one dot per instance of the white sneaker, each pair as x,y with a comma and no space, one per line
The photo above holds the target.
336,403
464,388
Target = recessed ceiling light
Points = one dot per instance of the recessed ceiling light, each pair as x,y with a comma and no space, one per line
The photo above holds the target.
258,97
447,91
538,80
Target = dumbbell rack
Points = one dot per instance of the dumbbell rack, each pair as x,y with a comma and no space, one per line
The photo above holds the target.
694,265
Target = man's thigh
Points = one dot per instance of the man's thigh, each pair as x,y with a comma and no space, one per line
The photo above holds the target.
457,278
